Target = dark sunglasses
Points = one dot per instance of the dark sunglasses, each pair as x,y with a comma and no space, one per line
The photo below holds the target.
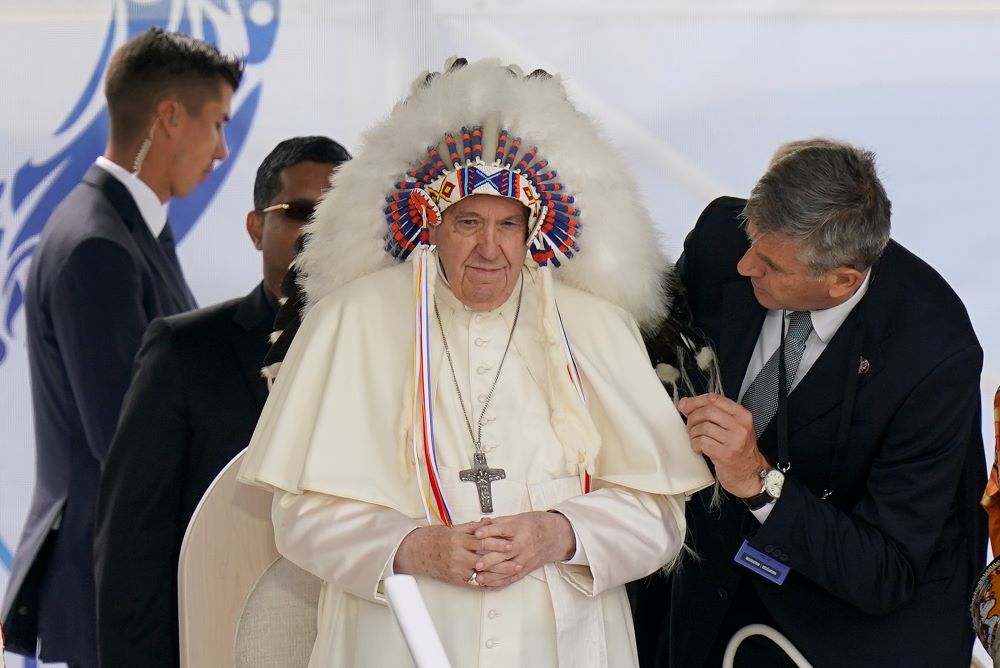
300,211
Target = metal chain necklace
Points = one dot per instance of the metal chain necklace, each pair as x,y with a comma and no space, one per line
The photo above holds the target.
477,436
481,474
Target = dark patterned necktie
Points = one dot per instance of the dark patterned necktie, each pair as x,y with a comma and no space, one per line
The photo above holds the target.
761,398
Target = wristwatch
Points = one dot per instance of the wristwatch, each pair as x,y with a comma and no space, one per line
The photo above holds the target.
771,482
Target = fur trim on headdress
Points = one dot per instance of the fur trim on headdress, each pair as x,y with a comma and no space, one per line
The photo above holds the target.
619,257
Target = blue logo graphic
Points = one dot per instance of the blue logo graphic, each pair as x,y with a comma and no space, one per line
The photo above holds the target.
28,199
6,558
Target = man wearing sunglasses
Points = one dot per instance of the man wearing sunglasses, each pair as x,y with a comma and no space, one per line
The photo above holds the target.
194,400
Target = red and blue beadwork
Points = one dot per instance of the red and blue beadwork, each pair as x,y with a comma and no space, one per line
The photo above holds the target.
419,201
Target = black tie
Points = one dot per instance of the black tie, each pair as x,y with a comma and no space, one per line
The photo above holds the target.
166,240
761,398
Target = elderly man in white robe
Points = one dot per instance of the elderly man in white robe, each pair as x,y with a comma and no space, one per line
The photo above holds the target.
482,416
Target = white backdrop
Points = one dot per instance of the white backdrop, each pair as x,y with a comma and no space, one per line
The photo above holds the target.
696,94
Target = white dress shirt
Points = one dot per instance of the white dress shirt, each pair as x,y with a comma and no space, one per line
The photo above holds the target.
825,323
152,210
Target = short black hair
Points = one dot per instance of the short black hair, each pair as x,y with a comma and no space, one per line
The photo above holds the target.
157,64
289,153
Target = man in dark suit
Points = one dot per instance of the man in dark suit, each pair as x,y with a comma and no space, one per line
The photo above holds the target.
863,486
104,268
192,406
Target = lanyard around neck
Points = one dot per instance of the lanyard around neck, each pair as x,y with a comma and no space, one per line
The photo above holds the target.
783,463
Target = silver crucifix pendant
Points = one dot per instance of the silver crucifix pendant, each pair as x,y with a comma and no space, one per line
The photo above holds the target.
484,477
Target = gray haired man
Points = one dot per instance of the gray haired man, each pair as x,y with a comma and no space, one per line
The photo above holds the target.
848,439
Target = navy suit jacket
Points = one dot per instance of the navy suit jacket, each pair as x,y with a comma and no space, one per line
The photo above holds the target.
882,567
97,279
192,406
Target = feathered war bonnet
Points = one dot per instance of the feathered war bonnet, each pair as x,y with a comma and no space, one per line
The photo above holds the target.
485,128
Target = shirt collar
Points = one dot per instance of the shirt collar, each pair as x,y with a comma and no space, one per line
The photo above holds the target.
152,210
827,321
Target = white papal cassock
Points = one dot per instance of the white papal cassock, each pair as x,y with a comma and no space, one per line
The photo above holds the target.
333,446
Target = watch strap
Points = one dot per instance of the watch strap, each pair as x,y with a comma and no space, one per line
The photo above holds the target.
758,501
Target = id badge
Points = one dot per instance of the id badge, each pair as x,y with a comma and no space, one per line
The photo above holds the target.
761,564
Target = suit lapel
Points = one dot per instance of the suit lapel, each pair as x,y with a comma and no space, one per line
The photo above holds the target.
254,318
844,358
117,194
822,388
123,203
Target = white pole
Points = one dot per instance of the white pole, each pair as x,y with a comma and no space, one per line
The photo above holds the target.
411,613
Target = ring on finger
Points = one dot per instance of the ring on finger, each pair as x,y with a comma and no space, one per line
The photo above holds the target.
472,579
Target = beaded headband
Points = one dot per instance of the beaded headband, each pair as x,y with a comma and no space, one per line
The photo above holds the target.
419,202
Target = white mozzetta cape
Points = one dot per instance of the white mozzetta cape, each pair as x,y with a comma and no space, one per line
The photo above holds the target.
333,422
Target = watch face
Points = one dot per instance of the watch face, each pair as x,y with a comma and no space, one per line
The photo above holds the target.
773,482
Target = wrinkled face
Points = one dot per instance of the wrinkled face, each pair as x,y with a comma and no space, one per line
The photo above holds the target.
200,141
274,233
482,242
780,280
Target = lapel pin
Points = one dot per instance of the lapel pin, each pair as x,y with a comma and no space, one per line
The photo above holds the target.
864,366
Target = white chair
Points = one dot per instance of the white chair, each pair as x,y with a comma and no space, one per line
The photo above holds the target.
770,633
241,604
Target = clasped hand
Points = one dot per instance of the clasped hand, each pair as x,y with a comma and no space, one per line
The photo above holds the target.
500,550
